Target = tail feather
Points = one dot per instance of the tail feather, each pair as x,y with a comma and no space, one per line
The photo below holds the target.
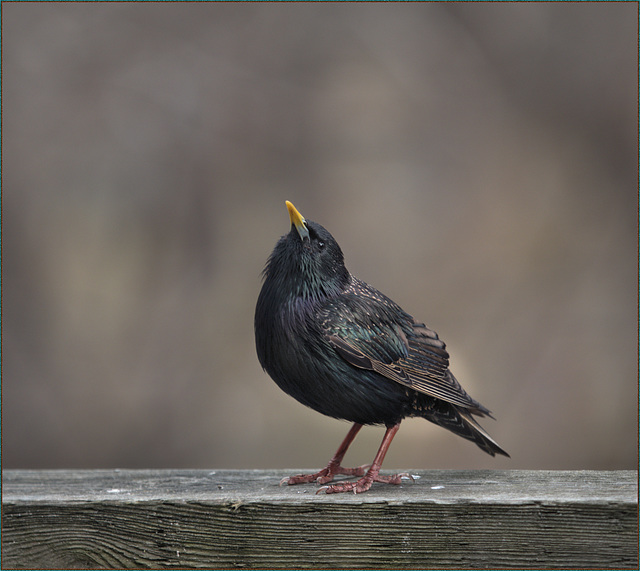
461,422
481,438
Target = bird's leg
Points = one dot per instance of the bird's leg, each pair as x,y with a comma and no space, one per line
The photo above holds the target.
326,474
372,475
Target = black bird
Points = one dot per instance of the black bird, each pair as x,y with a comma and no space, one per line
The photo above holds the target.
344,349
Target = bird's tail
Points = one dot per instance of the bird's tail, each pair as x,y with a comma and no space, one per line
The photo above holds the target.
461,422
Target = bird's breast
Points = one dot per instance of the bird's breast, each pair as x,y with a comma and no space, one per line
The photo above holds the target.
295,353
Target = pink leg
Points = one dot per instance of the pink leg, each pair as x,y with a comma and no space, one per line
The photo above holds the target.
372,475
326,474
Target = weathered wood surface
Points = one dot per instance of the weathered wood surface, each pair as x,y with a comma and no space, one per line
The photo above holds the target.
225,519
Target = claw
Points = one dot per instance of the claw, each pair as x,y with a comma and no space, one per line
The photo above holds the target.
368,473
324,476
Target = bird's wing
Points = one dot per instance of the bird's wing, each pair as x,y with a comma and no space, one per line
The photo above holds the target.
375,333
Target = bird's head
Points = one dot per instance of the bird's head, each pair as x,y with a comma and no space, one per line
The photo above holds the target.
307,262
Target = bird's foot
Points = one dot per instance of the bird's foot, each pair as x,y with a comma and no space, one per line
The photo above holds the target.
325,475
364,483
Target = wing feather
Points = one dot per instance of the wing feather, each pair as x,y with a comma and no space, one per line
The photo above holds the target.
372,332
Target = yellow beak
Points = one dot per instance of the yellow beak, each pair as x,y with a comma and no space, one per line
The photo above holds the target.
297,220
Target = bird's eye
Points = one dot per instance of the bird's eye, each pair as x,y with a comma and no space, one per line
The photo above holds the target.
320,244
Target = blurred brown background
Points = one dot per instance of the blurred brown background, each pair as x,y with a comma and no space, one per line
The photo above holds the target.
476,162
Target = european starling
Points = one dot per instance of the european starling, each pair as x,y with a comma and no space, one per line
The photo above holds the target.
344,349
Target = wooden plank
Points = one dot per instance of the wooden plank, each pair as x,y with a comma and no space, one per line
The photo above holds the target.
225,519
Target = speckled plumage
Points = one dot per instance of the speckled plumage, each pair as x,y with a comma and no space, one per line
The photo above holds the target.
341,347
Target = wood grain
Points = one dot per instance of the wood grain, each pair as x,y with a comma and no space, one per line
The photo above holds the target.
226,519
